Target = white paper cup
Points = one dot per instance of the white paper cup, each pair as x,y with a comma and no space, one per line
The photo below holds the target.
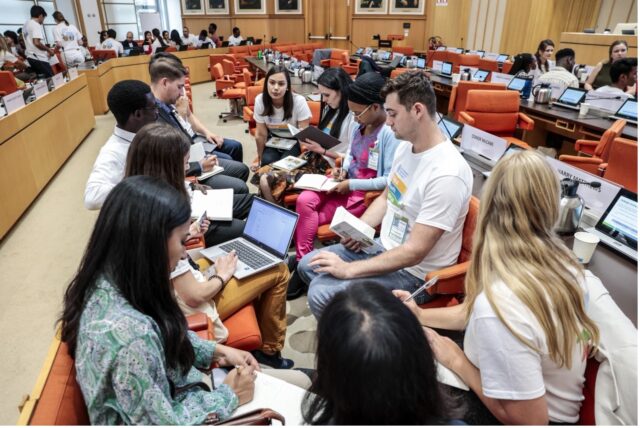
584,245
584,109
455,78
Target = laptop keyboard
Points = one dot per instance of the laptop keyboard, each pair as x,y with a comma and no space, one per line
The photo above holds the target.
246,254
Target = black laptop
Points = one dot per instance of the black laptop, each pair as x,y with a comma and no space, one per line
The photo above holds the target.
618,227
225,44
571,98
449,127
627,111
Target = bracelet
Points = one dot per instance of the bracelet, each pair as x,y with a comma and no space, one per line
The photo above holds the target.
219,278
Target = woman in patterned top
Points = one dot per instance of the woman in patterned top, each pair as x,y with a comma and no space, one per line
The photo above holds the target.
136,361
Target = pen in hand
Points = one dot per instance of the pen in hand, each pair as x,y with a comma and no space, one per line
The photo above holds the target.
424,287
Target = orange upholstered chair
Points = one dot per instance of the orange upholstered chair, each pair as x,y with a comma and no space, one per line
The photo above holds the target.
247,111
465,61
213,60
488,64
622,167
315,107
496,112
597,151
339,57
230,71
506,67
8,84
226,91
458,98
398,71
404,50
104,54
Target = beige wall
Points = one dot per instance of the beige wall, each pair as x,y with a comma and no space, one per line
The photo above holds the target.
613,12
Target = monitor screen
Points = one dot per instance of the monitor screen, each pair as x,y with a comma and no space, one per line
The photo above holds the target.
447,67
620,219
629,110
502,58
420,63
572,96
517,83
449,127
270,226
481,75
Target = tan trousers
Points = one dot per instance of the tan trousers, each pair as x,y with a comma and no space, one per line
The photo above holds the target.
268,291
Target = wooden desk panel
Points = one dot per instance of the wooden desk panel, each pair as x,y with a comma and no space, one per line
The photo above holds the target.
102,78
593,48
36,141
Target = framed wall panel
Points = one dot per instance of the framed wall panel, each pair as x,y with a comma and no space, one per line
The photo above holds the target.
217,7
254,7
193,7
288,6
371,7
406,7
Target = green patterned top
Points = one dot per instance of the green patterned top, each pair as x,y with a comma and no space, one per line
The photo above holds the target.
123,374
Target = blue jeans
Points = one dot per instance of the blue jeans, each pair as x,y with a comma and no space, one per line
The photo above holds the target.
231,149
322,286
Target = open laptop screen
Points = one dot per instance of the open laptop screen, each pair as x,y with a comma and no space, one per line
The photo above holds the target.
359,51
619,221
572,96
517,83
447,68
449,127
481,75
502,58
628,110
270,226
420,63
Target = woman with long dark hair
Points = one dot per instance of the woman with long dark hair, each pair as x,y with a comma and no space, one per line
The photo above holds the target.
374,365
162,151
136,361
543,56
274,108
336,120
158,41
176,40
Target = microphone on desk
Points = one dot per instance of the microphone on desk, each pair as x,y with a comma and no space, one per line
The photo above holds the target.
619,97
594,184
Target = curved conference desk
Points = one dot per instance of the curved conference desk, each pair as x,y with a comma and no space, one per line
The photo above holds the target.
36,140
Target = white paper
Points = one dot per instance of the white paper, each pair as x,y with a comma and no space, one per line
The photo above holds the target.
483,143
58,80
596,200
278,395
501,78
448,377
73,73
40,89
13,102
217,202
196,152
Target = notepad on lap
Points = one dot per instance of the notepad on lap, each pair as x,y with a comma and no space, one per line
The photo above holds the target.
218,203
289,163
196,154
318,182
346,225
216,170
281,143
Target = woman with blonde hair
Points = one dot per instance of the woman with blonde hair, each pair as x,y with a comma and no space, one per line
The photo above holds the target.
527,333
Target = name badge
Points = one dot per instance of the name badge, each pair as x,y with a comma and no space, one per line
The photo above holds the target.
40,89
374,155
13,102
483,143
73,73
58,80
501,78
595,199
399,229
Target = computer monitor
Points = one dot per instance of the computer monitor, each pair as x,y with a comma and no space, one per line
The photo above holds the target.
449,127
459,50
517,84
250,39
225,44
572,97
619,222
502,58
205,45
447,68
420,63
441,48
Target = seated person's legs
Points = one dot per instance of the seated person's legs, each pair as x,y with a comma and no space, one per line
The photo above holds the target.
231,148
234,169
271,155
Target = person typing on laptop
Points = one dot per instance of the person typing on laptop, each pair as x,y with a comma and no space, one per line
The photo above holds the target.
422,210
560,75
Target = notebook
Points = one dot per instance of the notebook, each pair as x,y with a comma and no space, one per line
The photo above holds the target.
571,98
618,227
289,163
265,241
627,111
312,133
281,143
218,203
318,182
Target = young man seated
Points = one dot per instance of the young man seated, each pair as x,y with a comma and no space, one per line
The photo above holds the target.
422,210
623,74
133,106
561,74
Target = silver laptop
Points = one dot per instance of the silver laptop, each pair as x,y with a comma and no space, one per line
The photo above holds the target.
627,111
571,98
264,242
446,71
618,227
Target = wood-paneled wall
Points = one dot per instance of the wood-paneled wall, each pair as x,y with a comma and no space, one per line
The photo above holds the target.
613,12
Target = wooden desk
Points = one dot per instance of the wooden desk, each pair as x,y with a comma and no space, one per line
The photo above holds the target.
104,76
593,48
35,142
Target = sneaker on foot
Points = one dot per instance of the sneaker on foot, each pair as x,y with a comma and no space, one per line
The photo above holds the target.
275,361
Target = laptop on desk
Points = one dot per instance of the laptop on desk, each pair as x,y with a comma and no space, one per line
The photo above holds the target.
618,227
481,75
627,111
264,242
450,128
395,61
446,71
571,98
502,58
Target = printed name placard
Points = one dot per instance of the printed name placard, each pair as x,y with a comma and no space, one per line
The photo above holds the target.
595,199
483,143
73,73
13,102
437,65
40,89
58,80
501,78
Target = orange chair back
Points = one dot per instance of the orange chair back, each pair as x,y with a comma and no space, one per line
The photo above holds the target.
488,64
506,67
60,66
228,67
252,93
239,50
494,111
8,83
458,99
171,49
246,77
469,229
469,60
622,167
606,141
104,53
439,56
218,71
405,50
315,112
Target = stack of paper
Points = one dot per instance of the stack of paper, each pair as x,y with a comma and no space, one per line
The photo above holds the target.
218,203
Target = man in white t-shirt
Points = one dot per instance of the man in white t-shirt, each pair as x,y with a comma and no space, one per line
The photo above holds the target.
235,38
37,52
189,39
422,210
624,74
112,43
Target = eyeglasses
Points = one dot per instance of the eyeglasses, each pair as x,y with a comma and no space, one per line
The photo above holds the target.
359,115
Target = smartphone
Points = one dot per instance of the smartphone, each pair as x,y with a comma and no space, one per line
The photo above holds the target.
201,220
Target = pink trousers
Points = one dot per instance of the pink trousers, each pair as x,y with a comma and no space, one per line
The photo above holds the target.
318,208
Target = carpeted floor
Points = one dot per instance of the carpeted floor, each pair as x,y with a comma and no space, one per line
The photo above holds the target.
40,255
